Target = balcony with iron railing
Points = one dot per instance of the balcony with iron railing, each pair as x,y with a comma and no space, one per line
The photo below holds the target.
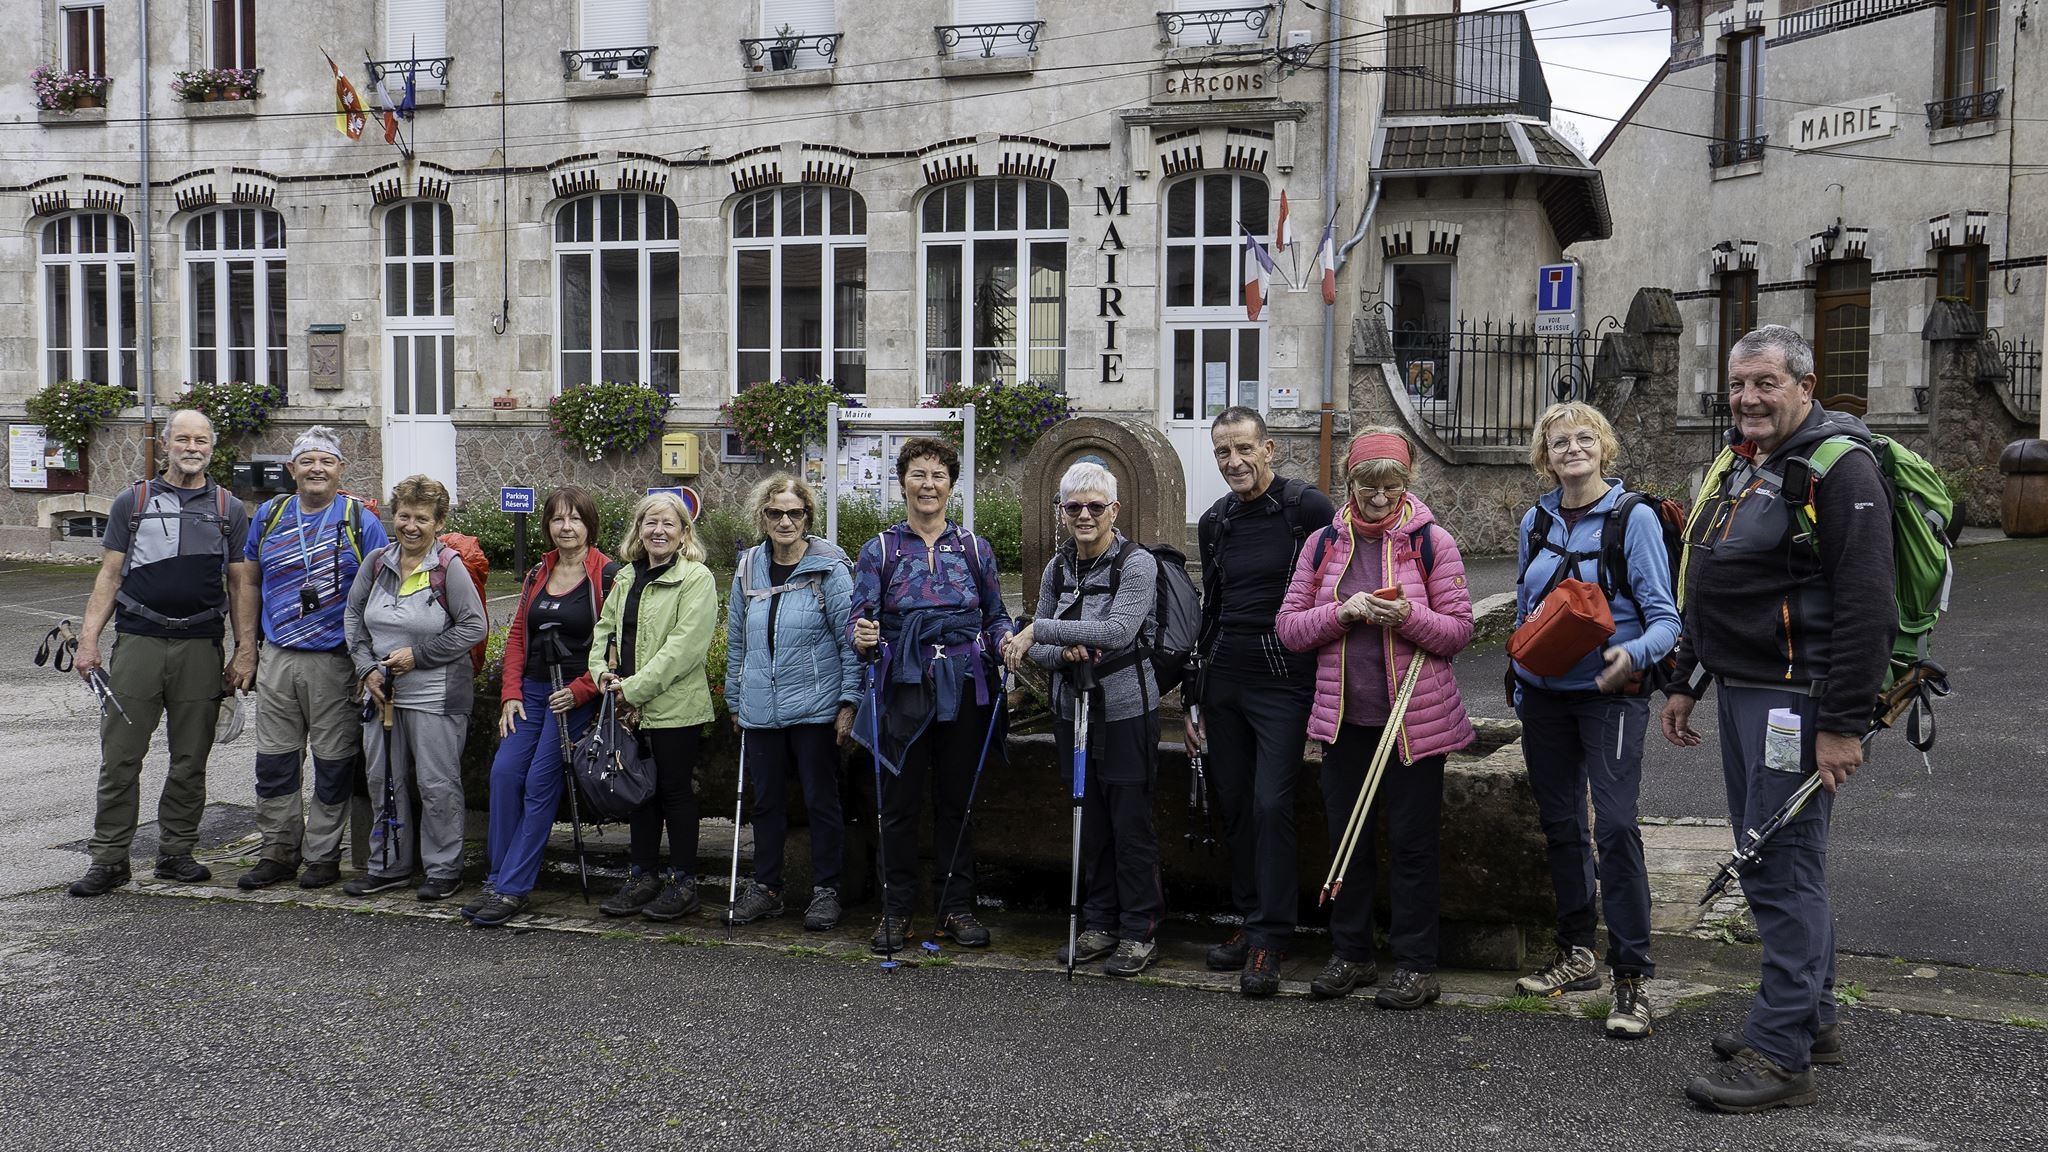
1474,64
811,50
1224,28
1965,109
1728,153
425,71
988,41
606,63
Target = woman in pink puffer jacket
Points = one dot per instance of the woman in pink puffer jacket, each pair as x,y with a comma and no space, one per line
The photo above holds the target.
1383,537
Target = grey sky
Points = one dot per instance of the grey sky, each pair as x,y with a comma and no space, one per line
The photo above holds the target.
1597,55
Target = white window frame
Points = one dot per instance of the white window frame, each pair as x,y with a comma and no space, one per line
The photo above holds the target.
1202,318
595,247
409,326
268,344
94,50
834,244
112,248
1021,345
404,21
241,10
1446,387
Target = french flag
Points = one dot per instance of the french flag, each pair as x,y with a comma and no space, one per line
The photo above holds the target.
1283,232
1326,253
1258,274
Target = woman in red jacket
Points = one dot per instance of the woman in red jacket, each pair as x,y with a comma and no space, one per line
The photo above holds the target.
1383,539
550,638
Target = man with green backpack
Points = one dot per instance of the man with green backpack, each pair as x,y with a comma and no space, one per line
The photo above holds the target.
1788,564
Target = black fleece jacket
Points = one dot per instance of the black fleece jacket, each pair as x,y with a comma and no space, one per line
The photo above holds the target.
1763,606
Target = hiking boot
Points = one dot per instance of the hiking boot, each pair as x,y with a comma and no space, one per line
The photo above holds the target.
264,874
496,909
1408,990
633,895
1572,970
756,902
823,914
1229,956
1089,947
320,874
1827,1045
474,903
100,879
438,888
1749,1082
890,936
678,899
963,929
1341,977
1132,957
1629,1016
1261,975
370,884
182,868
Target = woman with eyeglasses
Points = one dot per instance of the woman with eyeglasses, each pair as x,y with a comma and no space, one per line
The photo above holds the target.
1374,594
1093,600
927,605
1586,726
792,683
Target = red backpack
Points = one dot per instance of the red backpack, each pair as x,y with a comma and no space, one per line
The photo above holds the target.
473,558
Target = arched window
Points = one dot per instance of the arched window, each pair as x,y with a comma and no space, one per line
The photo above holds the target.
235,295
419,307
800,286
616,288
88,274
1216,356
977,241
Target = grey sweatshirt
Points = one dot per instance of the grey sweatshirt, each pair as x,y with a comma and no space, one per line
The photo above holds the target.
379,621
1109,625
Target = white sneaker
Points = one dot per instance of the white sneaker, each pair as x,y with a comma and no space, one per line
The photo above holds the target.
1577,970
1629,1018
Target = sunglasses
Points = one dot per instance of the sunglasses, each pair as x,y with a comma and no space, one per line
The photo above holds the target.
780,514
1094,509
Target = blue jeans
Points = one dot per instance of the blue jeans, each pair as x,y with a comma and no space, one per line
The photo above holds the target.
526,789
1571,740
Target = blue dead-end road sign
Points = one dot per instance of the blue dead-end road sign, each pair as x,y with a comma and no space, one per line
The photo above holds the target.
1557,288
515,500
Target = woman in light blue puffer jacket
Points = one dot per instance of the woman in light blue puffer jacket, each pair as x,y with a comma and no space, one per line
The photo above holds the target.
791,682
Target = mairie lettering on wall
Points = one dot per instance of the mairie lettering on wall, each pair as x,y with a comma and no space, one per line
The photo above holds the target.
1109,304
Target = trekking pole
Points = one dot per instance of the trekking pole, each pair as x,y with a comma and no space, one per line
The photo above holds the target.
732,887
875,746
388,818
1081,677
1389,737
555,654
1198,792
1909,693
97,681
966,814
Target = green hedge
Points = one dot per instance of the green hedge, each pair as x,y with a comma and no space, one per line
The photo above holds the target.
998,516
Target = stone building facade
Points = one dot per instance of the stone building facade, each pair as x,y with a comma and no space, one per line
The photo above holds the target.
894,196
1843,168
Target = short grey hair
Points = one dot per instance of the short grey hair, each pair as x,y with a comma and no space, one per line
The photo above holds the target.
1088,476
1796,350
165,433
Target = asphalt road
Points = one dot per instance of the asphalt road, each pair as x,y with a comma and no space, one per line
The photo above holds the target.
142,1022
1944,866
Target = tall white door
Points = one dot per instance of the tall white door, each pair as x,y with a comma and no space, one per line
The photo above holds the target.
419,403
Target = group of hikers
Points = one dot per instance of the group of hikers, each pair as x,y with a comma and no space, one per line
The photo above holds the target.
1337,624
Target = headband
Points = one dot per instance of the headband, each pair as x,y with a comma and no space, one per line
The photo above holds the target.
1377,446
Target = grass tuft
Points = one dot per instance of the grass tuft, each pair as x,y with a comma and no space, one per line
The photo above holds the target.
2026,1022
1851,994
1597,1007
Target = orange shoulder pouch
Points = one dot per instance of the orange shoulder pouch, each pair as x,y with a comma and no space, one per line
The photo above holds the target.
1572,620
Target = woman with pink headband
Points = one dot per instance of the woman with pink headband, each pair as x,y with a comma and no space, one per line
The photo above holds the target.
1380,589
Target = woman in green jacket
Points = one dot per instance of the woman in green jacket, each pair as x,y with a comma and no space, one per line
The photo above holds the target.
649,648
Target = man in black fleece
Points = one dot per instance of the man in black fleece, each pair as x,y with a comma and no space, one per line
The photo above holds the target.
1256,694
1783,621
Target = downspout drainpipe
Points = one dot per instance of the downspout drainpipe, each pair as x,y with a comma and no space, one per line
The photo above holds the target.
1372,205
1333,73
145,238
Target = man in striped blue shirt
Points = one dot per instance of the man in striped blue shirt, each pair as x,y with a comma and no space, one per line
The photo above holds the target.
309,546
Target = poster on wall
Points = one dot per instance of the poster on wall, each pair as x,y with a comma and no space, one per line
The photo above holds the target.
1215,387
27,457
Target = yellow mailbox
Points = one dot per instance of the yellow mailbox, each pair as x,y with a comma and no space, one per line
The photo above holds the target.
679,453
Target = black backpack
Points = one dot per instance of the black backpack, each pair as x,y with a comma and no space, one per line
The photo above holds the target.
1612,573
1173,629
